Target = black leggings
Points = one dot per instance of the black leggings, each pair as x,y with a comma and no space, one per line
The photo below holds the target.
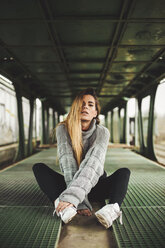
113,187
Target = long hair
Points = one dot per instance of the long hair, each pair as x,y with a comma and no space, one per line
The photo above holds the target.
73,122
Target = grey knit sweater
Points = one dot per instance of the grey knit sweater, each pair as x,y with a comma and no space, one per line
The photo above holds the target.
81,180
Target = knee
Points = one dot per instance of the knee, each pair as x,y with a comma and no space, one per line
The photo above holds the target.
38,167
124,172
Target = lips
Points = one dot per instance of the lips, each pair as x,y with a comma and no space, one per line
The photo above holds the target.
84,112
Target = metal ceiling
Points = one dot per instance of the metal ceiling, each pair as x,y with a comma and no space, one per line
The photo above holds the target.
53,49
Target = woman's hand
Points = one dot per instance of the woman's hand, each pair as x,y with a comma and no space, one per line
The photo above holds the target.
62,205
86,212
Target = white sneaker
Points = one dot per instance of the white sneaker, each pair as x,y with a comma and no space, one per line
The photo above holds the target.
108,214
67,214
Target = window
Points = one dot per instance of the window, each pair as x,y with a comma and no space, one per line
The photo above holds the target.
38,119
109,120
131,121
26,116
145,115
121,123
116,134
159,127
8,112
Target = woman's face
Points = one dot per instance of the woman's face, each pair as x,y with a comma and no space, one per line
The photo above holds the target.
88,108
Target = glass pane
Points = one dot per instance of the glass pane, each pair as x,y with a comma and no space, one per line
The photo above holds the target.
137,142
102,119
121,122
109,120
26,116
145,114
34,122
159,127
131,115
116,135
8,113
50,123
38,119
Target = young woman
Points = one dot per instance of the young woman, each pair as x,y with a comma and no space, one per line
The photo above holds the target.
82,143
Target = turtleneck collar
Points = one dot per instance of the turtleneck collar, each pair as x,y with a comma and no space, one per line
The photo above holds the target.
89,132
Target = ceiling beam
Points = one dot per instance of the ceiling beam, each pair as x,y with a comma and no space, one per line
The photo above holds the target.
87,44
137,78
37,91
84,72
145,68
71,72
72,80
82,18
86,61
46,11
20,65
69,96
118,34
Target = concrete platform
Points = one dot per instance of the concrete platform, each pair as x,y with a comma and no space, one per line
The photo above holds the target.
86,231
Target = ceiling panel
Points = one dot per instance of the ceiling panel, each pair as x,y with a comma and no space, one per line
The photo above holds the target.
149,9
126,67
24,33
85,66
85,53
74,32
144,34
61,47
85,7
136,53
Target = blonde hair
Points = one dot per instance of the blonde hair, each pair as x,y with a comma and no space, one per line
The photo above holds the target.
73,122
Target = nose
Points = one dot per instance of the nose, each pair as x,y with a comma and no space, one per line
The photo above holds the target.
85,105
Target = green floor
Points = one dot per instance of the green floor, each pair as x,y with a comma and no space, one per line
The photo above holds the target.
26,213
144,205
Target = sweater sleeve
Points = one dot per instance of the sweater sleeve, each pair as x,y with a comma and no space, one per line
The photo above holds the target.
91,168
67,161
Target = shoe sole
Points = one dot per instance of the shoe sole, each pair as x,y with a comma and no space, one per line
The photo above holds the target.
102,220
69,218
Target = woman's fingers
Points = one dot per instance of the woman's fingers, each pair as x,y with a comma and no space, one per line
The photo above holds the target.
59,207
62,205
85,212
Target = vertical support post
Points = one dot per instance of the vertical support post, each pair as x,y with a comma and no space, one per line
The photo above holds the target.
106,123
150,149
112,126
43,124
58,117
21,146
30,148
54,120
140,122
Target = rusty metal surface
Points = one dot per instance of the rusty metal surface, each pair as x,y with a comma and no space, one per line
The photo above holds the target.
59,47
